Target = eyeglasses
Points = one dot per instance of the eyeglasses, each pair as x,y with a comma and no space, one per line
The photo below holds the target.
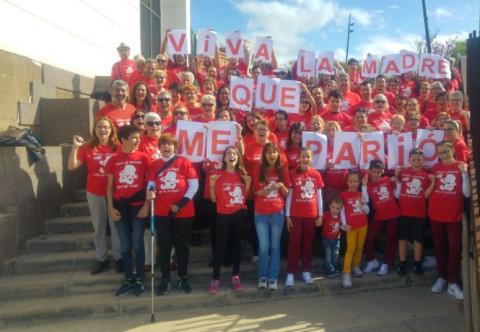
163,100
303,101
123,50
179,113
152,123
265,64
138,116
456,100
161,61
207,105
449,129
380,101
414,119
443,152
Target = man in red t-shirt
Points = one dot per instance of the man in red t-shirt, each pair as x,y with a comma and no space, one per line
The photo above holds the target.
366,95
381,87
333,114
146,76
118,110
349,98
122,69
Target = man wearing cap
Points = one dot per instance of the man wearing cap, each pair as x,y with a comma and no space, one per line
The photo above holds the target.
122,69
281,73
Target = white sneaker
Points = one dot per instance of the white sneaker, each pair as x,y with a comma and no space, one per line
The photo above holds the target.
272,284
357,272
439,286
289,281
429,261
307,276
383,270
347,280
454,289
371,266
262,283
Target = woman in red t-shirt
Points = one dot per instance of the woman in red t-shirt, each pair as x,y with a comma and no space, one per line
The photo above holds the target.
103,144
179,113
294,143
140,97
303,212
453,134
271,184
138,120
229,190
334,177
445,212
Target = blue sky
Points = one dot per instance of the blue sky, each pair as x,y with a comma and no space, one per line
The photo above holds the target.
381,27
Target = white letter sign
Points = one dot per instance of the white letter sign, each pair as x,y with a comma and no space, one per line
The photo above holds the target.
220,135
191,137
241,93
178,42
427,141
346,150
206,42
233,45
318,144
370,66
399,147
306,63
324,62
263,49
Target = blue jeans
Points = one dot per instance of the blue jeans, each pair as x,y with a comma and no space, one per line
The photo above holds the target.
331,249
269,230
125,226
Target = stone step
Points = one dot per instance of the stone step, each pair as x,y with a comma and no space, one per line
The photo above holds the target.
69,225
49,309
75,209
81,195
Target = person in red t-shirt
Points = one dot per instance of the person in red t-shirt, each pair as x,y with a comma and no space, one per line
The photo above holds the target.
455,99
349,98
102,145
118,110
281,128
141,98
145,76
271,184
380,119
334,177
380,189
366,101
122,69
174,183
354,74
294,143
317,124
190,94
381,87
354,221
413,189
445,212
164,107
229,190
453,134
318,96
137,120
303,211
331,235
334,114
127,205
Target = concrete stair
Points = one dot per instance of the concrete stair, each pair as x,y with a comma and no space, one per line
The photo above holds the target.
52,281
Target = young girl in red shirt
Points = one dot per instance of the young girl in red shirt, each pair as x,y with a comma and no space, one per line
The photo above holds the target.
228,189
303,212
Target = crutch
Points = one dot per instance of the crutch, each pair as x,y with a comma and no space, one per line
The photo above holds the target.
152,232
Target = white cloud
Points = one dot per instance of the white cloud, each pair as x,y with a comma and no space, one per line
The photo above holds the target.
393,7
443,13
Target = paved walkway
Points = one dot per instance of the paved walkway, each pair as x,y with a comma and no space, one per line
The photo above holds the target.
402,309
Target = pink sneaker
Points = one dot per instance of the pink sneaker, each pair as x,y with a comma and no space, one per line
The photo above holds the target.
237,284
213,289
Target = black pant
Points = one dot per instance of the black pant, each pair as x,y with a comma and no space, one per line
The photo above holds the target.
233,224
173,233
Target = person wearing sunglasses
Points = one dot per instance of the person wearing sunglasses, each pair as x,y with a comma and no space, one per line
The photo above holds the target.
179,113
138,120
381,87
380,119
208,109
122,69
164,106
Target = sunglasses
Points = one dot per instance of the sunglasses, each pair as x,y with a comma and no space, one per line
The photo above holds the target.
138,116
380,101
163,100
152,123
160,77
304,102
207,104
161,61
414,119
179,113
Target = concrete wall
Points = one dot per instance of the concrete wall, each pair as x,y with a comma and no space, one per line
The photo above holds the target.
178,16
30,195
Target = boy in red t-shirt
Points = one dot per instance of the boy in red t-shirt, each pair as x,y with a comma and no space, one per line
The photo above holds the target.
331,235
127,206
413,189
380,191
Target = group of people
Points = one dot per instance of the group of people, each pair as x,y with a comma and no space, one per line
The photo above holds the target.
266,179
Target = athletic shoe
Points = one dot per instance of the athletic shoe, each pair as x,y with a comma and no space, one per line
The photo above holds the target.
417,268
454,289
289,281
262,283
307,277
138,289
383,270
357,272
237,284
371,266
164,287
126,288
213,289
119,266
429,261
183,286
402,269
439,286
338,273
347,280
272,284
331,273
99,267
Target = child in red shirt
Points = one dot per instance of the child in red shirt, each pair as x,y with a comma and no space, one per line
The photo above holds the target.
354,220
331,235
380,190
229,190
127,206
413,189
303,212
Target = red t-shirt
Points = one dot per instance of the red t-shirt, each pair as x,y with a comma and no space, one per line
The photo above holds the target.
149,145
367,105
334,177
457,116
129,170
412,201
407,89
349,99
446,202
96,161
194,111
381,122
171,185
431,111
274,202
383,200
248,138
230,192
139,77
282,137
354,214
302,118
462,152
342,118
304,193
122,70
331,225
215,168
118,116
390,97
253,156
293,156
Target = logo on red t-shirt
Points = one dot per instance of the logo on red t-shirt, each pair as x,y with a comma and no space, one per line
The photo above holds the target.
236,195
169,180
448,182
128,175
